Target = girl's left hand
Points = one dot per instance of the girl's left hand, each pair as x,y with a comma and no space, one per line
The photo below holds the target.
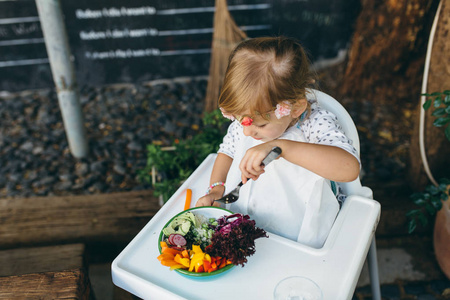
250,165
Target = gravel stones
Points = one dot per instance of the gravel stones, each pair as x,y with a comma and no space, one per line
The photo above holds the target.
120,121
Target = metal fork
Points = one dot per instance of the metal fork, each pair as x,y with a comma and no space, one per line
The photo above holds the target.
233,196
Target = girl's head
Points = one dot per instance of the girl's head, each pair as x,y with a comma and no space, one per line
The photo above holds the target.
266,81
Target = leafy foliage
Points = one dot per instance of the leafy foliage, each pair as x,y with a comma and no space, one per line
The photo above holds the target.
235,238
429,203
174,167
441,104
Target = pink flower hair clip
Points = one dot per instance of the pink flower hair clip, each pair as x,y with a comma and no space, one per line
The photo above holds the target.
283,109
225,115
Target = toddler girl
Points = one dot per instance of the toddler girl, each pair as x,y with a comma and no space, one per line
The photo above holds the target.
265,93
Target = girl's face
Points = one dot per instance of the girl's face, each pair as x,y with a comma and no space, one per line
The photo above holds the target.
267,130
272,128
274,124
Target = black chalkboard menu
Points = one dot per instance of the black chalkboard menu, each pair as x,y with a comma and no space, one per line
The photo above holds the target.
118,41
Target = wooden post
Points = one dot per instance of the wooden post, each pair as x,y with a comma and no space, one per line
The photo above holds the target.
61,63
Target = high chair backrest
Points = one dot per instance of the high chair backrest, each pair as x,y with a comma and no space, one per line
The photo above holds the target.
348,126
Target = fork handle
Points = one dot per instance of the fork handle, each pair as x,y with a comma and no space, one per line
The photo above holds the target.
274,153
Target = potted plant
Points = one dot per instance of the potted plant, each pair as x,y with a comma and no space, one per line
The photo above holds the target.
434,200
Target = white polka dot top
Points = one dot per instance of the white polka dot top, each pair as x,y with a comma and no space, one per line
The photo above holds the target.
321,127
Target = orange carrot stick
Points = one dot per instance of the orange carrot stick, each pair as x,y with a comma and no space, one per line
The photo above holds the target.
187,204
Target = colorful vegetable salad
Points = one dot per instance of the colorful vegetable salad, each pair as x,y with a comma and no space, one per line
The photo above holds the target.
197,244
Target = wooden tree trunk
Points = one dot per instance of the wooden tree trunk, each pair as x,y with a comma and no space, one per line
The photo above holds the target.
388,50
437,147
385,68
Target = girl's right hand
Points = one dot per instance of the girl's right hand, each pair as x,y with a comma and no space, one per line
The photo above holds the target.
251,164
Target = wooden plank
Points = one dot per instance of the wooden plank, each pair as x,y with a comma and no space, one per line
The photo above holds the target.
41,259
114,217
71,284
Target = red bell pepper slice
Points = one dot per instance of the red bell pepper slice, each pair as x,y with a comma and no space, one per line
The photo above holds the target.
200,269
206,265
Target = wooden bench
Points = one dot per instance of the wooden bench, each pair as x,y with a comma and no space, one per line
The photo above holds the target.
61,226
51,272
114,217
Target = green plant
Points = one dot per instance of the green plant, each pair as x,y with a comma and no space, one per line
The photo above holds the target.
441,104
430,201
175,164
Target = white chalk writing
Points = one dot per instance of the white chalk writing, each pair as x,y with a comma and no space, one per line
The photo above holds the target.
114,12
19,29
318,18
3,31
88,14
22,29
122,53
117,34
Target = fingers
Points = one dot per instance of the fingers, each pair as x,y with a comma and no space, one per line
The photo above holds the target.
246,178
250,165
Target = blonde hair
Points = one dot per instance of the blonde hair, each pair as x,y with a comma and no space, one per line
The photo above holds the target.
263,72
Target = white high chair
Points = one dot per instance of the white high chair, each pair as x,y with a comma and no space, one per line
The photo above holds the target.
352,188
335,267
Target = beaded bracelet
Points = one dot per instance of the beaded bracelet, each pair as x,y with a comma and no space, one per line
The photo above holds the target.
213,186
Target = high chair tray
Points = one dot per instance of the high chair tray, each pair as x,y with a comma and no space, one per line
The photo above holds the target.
335,267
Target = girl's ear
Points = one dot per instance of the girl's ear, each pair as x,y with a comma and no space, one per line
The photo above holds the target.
298,108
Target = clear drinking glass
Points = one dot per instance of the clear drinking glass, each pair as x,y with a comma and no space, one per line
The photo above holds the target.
297,288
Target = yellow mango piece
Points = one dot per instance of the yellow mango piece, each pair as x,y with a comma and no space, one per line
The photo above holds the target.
196,249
